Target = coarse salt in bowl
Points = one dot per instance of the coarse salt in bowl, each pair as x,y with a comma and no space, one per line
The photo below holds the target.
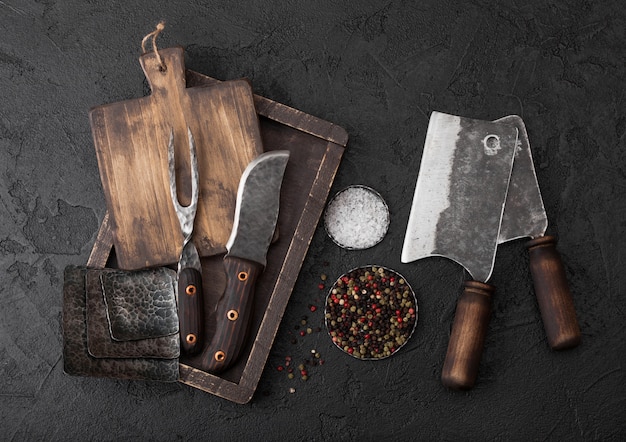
357,217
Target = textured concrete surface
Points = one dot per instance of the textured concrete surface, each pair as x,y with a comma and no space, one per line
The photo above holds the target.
377,69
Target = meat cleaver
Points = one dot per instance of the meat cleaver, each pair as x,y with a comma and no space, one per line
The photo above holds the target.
457,212
525,216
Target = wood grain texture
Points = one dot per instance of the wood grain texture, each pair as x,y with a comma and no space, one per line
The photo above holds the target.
553,294
469,328
232,318
131,139
316,148
191,310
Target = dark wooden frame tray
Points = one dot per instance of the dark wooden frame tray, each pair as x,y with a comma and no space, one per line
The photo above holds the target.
316,148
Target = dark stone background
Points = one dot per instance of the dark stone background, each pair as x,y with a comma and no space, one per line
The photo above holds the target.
377,69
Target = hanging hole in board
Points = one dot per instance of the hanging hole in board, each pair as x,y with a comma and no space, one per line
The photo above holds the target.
356,218
219,356
242,276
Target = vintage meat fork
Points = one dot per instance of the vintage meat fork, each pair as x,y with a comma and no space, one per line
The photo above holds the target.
190,302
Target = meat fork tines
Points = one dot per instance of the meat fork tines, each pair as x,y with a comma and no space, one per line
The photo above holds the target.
186,214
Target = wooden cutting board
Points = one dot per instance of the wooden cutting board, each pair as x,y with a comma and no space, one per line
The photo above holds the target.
131,139
316,148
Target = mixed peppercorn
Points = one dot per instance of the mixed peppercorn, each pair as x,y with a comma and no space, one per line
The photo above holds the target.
370,312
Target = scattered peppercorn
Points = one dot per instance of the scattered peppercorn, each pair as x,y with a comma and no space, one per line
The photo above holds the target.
304,327
370,312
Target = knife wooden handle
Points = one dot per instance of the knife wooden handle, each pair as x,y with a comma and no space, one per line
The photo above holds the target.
553,294
234,311
190,310
467,339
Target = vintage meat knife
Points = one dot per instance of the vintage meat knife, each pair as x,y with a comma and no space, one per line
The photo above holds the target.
457,212
455,188
256,214
460,193
525,216
189,294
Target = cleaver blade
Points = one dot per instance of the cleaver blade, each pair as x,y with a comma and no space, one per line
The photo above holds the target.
457,212
525,216
524,213
460,193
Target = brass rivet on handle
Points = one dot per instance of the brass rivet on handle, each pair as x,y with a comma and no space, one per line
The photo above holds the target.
191,338
219,356
232,315
190,290
242,276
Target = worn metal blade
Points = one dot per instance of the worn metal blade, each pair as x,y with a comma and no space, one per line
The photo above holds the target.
256,212
524,212
189,258
460,193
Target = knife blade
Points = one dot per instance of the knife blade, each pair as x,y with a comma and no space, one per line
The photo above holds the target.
525,216
456,213
256,215
460,192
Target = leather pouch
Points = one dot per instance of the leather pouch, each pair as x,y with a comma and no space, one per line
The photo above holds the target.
147,343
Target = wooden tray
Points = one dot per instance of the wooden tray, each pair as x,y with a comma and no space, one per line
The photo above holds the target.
316,148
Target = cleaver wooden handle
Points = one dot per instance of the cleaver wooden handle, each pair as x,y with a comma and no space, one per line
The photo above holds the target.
234,311
553,294
467,339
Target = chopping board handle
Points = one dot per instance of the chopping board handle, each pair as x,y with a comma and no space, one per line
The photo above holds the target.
467,339
165,73
553,294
